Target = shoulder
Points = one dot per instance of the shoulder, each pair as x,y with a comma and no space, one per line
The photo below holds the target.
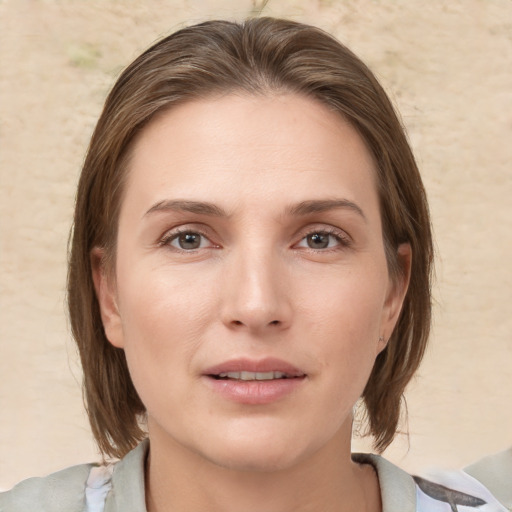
61,491
447,490
495,472
440,491
116,487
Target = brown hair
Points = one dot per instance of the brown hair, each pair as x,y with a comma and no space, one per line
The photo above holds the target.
257,56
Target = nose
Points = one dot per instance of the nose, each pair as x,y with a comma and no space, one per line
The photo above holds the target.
255,295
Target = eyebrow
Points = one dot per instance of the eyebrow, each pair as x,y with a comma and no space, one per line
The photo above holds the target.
301,209
322,205
181,205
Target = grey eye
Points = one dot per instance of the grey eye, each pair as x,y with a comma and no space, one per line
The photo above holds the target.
188,241
318,240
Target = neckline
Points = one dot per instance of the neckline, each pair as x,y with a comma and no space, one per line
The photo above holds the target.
397,488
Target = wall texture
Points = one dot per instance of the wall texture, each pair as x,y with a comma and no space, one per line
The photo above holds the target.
447,65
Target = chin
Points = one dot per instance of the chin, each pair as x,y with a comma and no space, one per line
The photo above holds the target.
265,461
256,454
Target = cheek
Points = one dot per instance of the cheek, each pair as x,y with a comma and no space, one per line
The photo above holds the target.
164,315
347,304
163,320
162,298
343,316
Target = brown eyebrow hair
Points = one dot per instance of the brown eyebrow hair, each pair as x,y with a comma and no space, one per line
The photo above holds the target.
199,207
322,205
301,209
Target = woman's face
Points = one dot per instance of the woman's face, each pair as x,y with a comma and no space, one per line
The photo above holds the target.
251,283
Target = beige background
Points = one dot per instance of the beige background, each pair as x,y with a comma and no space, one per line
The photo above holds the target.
448,67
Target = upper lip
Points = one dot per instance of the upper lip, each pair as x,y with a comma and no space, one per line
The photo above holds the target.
253,365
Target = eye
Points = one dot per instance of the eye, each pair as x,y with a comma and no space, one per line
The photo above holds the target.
187,240
319,240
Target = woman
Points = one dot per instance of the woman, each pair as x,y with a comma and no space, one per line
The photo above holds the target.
251,254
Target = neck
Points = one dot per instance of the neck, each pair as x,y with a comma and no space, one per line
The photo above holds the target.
178,480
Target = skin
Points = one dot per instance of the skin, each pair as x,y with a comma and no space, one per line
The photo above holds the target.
268,279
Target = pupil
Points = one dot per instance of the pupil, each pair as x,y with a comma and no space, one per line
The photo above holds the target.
318,241
190,240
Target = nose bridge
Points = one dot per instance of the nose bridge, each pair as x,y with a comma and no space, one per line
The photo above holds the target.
255,292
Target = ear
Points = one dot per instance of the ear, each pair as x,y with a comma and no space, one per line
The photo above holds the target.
395,296
106,294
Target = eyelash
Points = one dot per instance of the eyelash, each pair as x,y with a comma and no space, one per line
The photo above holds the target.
170,236
342,239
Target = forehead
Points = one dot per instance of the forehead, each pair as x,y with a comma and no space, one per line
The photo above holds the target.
249,149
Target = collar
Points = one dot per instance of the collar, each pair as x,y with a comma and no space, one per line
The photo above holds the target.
397,488
127,494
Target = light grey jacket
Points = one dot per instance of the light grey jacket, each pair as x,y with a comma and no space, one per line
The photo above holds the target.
495,472
120,488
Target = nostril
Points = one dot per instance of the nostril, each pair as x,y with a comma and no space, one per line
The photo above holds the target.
254,325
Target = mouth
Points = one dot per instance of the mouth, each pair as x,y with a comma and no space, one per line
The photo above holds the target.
245,369
254,382
249,376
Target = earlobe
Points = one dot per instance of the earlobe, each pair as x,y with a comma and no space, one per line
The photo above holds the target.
396,294
106,295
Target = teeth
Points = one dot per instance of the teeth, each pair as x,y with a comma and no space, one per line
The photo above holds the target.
253,375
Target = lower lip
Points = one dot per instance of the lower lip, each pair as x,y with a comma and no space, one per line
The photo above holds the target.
254,392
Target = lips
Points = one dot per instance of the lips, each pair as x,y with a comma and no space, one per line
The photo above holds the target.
245,375
249,369
254,382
